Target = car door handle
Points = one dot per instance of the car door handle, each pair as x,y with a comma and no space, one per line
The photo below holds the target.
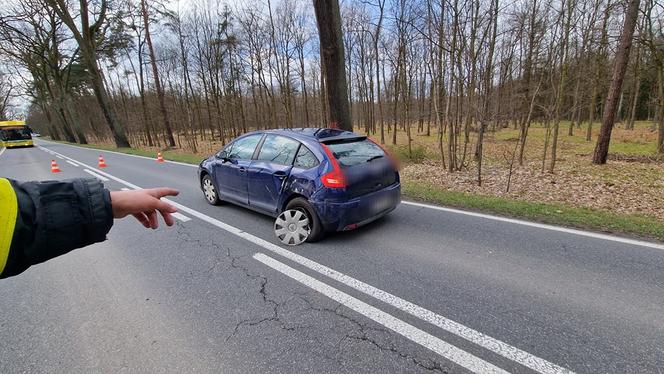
280,174
242,169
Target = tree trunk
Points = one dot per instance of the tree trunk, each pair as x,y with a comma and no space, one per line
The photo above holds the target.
620,67
591,111
575,109
635,91
487,95
155,73
660,137
561,83
532,39
332,52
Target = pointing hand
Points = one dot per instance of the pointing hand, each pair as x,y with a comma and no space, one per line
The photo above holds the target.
143,205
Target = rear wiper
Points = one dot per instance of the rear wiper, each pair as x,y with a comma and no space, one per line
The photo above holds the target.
375,157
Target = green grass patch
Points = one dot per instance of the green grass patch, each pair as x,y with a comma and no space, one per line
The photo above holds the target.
188,158
558,214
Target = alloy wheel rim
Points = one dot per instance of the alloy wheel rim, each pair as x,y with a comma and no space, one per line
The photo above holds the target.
292,227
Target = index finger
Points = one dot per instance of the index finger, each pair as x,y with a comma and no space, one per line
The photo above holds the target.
163,191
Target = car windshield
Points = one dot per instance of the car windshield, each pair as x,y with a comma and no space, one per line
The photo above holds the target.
15,134
355,151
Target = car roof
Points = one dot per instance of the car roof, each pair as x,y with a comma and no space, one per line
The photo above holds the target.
315,133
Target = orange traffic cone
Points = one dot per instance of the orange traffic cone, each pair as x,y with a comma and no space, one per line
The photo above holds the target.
160,158
102,163
54,167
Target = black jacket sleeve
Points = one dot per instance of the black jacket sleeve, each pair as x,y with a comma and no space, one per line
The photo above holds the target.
56,217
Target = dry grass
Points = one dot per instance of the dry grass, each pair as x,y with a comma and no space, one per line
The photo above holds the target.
631,183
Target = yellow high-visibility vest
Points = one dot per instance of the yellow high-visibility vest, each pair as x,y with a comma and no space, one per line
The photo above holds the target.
8,212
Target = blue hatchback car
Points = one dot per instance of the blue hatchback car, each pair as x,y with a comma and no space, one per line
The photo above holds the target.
313,180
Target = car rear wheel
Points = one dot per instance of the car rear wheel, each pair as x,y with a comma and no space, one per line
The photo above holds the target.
209,191
298,223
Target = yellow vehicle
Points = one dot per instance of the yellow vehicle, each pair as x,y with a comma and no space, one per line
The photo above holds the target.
15,134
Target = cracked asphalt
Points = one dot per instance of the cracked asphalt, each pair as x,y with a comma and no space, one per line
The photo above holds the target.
192,299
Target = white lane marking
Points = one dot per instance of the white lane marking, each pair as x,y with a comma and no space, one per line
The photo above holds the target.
494,345
181,217
101,178
446,350
2,150
60,157
71,163
126,154
478,215
542,226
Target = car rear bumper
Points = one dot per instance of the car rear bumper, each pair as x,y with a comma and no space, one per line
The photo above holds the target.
359,211
22,143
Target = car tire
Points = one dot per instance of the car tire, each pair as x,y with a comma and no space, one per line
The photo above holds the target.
315,227
209,190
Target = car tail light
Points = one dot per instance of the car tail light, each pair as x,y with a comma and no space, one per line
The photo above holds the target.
335,178
389,154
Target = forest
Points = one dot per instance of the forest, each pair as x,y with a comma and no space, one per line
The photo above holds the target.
438,81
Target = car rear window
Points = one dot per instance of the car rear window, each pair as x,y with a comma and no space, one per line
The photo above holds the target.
355,151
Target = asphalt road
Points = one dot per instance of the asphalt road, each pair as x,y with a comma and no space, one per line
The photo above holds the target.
422,290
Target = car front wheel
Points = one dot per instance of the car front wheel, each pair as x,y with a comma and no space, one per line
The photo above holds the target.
209,191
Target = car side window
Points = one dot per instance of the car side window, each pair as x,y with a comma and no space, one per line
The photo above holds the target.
278,150
224,152
305,159
243,149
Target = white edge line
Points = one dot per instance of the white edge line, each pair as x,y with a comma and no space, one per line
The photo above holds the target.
71,163
181,217
3,150
123,154
446,350
589,234
494,345
102,178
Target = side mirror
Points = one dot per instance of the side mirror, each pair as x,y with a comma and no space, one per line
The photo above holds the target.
223,156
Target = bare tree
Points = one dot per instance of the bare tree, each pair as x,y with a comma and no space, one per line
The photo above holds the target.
567,6
155,74
328,19
619,69
488,83
87,38
6,89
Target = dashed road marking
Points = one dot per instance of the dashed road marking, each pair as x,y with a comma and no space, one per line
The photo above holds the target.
71,163
100,177
181,217
126,154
